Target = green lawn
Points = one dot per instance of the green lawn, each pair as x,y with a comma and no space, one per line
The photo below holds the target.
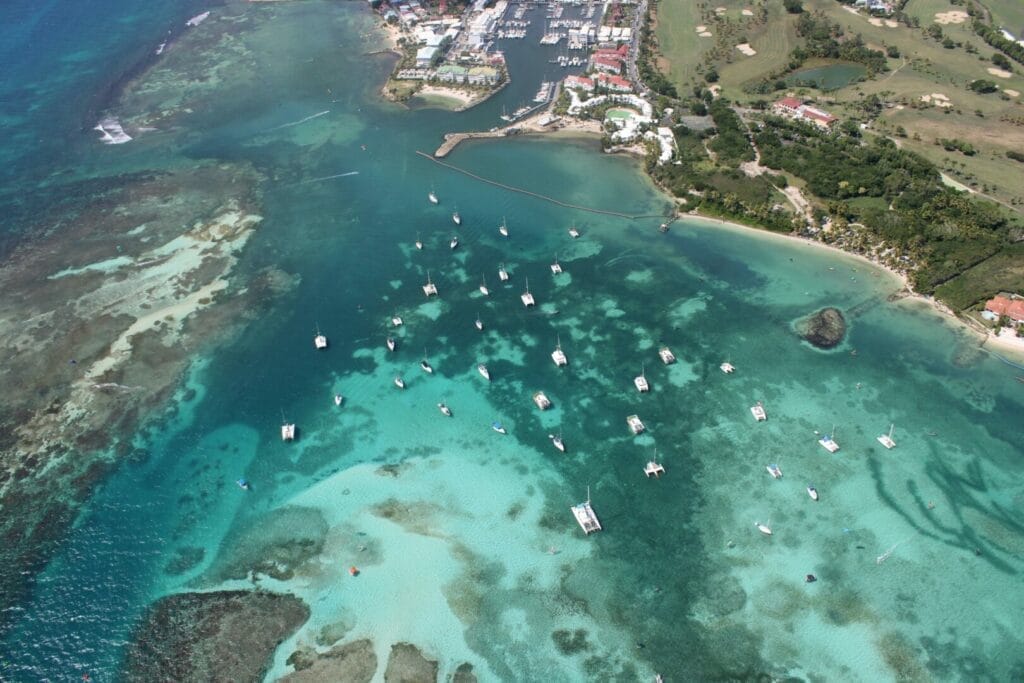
1008,14
680,46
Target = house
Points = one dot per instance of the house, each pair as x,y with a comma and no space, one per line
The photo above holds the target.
788,106
612,65
580,82
818,116
425,56
794,108
1012,308
613,83
482,75
452,73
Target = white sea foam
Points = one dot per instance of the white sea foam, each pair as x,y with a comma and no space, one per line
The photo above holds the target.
308,118
113,133
197,19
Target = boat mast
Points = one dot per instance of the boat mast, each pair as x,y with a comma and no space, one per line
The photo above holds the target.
891,426
588,494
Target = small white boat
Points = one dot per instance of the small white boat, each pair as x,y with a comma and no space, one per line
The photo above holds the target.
558,355
287,432
654,469
775,471
455,242
456,218
763,528
502,273
419,242
432,197
503,228
585,516
320,340
391,343
479,324
573,232
445,410
640,382
396,320
425,366
557,441
727,368
828,441
430,289
635,425
400,383
527,297
484,372
541,400
886,439
812,492
338,398
483,287
242,484
496,426
666,355
758,412
556,267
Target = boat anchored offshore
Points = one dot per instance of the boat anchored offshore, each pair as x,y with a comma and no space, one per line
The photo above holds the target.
757,410
391,343
479,324
558,355
496,426
320,340
557,441
527,297
812,492
828,441
419,242
455,242
653,468
666,355
456,218
585,516
556,267
763,528
432,197
541,400
886,439
641,382
727,368
425,365
338,399
775,471
287,432
502,273
635,425
573,232
484,372
242,484
396,320
400,383
503,228
430,289
483,287
445,410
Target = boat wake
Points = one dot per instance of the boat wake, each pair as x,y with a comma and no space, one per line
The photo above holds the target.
888,553
295,123
328,177
113,133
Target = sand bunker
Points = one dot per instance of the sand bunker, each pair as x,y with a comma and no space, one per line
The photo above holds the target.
1001,73
702,29
953,17
875,21
890,23
704,34
721,10
1012,93
747,13
746,49
938,99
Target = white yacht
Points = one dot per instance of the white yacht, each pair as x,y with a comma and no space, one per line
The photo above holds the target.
558,355
430,289
527,297
320,340
391,343
503,228
635,425
556,267
419,242
484,372
774,470
455,242
757,411
640,382
479,324
666,355
338,398
425,365
445,410
541,400
400,383
812,492
396,320
585,516
557,441
432,197
763,528
828,441
727,368
483,287
456,218
886,439
502,273
573,232
287,432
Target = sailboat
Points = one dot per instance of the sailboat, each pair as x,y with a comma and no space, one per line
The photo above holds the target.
430,289
503,228
432,197
828,441
455,242
483,286
526,296
419,242
653,467
557,441
556,267
396,320
641,382
573,232
479,323
425,364
287,429
886,439
585,516
502,273
812,492
484,372
399,382
456,218
391,343
558,355
320,340
338,398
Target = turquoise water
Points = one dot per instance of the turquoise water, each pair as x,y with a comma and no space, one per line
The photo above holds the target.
464,538
829,76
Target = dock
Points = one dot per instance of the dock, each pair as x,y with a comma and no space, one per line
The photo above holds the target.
452,140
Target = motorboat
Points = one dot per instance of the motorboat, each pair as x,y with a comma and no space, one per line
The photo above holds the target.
432,197
763,528
479,324
400,383
812,492
496,426
635,425
557,441
775,471
484,372
419,242
455,242
828,441
573,232
338,399
456,218
666,355
757,411
727,368
541,400
445,410
503,228
391,343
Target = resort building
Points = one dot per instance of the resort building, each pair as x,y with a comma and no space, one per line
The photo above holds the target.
482,75
612,65
613,83
796,109
579,82
425,56
452,73
1010,306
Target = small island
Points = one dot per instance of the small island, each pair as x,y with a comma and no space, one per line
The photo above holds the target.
825,329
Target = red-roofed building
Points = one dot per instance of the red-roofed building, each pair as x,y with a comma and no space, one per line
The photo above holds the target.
615,83
621,52
794,108
789,106
612,65
580,82
822,118
1011,308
